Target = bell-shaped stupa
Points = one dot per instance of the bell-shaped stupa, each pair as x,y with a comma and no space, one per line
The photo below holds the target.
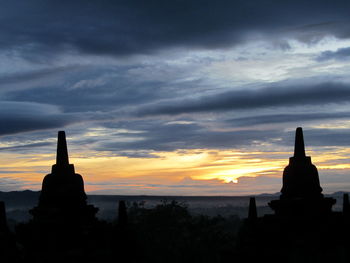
62,191
62,187
301,192
300,177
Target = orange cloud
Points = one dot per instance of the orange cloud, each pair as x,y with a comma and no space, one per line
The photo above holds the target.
164,173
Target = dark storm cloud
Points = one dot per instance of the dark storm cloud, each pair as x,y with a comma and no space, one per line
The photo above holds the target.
129,27
105,98
340,54
283,96
328,137
18,117
283,118
318,138
82,88
157,136
22,77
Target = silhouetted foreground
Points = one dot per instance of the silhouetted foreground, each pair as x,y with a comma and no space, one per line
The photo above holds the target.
303,228
64,227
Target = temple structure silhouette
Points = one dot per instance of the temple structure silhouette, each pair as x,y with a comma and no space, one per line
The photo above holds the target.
62,195
303,227
8,249
301,192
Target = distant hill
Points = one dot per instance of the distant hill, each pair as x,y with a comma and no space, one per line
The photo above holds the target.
20,198
18,203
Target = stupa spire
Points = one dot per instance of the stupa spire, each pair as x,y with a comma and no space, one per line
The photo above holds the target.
346,204
62,152
3,221
299,147
252,213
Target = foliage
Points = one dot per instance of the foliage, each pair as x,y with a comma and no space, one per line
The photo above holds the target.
169,233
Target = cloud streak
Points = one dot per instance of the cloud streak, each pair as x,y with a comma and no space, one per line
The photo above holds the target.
340,54
18,117
271,97
285,118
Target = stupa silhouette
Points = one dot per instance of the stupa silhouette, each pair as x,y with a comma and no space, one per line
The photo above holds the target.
301,192
303,227
62,196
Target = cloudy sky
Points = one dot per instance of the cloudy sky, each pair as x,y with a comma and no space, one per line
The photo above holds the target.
178,97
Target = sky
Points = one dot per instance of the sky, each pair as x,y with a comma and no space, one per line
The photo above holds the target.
182,97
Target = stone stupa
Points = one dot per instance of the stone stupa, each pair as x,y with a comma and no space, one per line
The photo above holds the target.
62,196
301,193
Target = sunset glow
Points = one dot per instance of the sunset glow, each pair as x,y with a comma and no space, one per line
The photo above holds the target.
203,101
211,169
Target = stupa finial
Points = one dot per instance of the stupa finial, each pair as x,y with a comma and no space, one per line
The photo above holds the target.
299,147
252,213
3,221
62,152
